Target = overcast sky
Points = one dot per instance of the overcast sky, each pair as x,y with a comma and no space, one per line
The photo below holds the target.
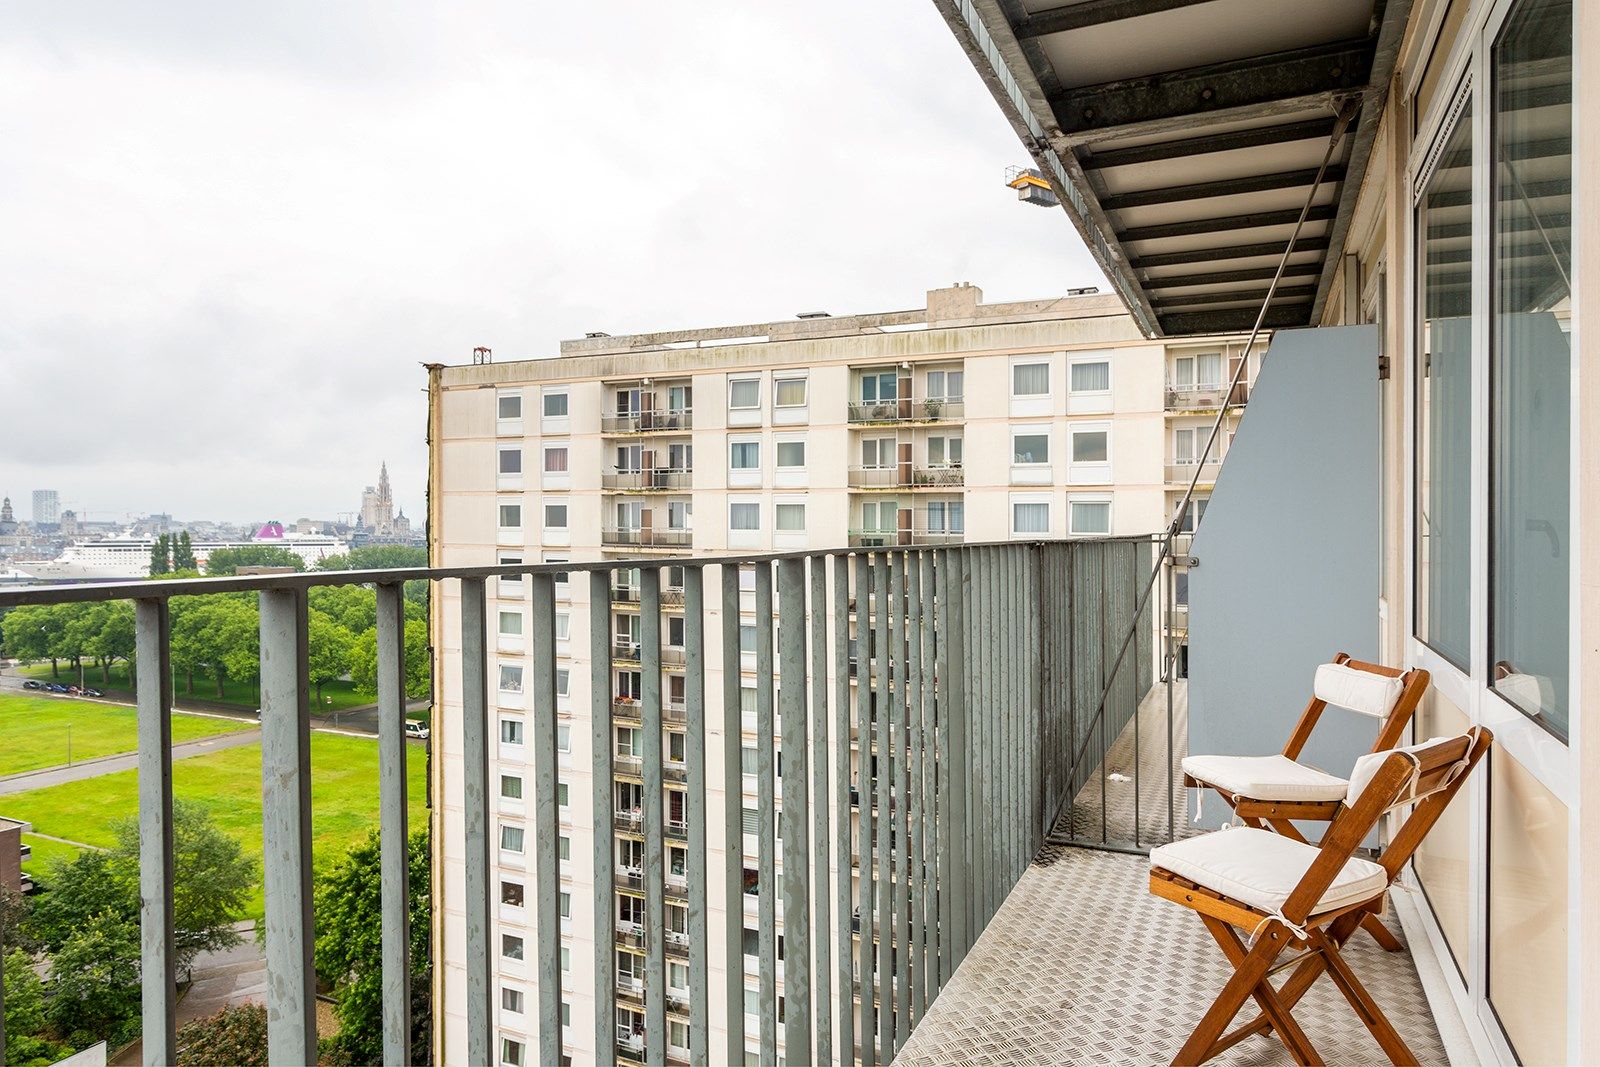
231,233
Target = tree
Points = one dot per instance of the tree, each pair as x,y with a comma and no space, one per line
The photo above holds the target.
376,558
161,556
328,655
94,981
355,607
26,1019
364,660
30,632
349,950
183,554
112,637
212,883
236,1035
229,560
220,634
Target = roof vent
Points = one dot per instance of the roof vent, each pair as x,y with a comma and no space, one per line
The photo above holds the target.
596,333
1084,290
814,315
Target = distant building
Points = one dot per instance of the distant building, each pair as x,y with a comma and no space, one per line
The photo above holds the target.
380,522
8,521
46,507
69,523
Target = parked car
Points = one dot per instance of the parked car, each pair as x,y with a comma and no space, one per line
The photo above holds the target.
73,690
91,691
31,684
416,728
57,687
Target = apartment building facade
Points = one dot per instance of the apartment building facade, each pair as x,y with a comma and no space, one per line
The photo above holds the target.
961,421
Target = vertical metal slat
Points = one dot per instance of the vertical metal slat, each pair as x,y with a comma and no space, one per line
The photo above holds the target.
821,905
655,916
795,814
393,826
841,801
694,693
733,811
286,827
156,943
766,805
604,797
546,816
880,589
866,953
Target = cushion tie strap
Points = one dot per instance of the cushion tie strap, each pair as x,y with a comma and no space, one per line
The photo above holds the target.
1297,931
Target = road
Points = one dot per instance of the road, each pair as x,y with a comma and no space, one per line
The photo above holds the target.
94,768
233,976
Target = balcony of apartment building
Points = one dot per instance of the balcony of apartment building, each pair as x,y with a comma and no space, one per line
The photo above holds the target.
1204,381
646,406
1194,450
908,393
922,459
651,522
877,522
653,465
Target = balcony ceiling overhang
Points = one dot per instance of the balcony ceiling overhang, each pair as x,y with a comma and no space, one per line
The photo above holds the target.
1184,137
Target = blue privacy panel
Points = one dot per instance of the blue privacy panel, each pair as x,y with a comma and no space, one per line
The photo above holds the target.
1288,555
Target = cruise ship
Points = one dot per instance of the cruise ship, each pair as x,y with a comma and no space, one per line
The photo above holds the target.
127,556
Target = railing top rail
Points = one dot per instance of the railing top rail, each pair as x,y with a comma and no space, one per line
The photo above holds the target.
164,589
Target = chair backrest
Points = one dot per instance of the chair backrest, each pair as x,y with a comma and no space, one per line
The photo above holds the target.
1384,693
1430,773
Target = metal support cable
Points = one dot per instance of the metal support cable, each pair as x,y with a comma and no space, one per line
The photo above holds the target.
1340,128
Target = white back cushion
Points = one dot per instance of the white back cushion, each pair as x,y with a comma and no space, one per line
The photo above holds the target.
1359,691
1367,767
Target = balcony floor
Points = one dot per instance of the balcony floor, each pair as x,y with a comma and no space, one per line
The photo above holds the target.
1081,965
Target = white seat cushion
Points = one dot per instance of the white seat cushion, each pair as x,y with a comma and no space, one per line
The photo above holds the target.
1261,869
1265,777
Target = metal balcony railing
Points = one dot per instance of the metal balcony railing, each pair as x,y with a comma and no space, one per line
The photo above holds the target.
1181,472
665,420
654,478
907,476
1206,397
904,538
647,537
908,409
1004,646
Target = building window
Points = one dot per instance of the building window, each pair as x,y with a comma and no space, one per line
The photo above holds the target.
511,624
510,516
789,392
511,946
562,794
1202,371
511,461
747,760
566,904
1089,516
744,393
747,645
511,731
555,516
946,384
564,848
511,1000
555,459
1030,517
945,451
947,516
789,518
744,516
1090,446
555,405
511,894
1030,448
510,838
511,787
563,681
1530,364
791,455
1030,379
512,1052
1091,376
563,738
509,406
1444,404
744,455
510,678
880,386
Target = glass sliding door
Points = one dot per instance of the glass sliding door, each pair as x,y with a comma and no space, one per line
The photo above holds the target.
1530,368
1444,398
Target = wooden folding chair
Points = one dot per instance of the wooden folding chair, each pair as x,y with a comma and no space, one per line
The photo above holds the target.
1284,893
1272,790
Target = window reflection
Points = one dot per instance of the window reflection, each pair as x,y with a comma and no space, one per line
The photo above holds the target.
1444,400
1531,360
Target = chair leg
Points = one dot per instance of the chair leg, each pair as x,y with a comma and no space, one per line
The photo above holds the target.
1299,982
1371,1015
1272,1007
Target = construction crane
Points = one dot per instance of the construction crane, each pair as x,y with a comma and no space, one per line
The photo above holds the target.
1031,186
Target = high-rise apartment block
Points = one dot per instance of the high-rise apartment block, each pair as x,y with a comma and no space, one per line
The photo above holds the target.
963,421
46,507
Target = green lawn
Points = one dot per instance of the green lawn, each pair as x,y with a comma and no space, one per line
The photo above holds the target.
337,695
45,852
344,798
34,730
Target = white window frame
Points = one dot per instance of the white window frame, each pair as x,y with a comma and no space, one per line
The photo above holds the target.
1088,473
508,425
744,415
1026,404
790,477
745,477
1038,472
555,479
508,479
1090,401
790,414
1030,499
1075,499
555,424
744,538
782,538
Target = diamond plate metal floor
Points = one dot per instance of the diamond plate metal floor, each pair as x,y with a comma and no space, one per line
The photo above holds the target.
1081,965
